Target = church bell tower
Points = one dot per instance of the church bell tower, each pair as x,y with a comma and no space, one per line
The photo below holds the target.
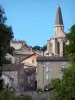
59,26
55,45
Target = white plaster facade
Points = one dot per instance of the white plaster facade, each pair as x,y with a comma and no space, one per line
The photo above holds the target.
17,44
10,57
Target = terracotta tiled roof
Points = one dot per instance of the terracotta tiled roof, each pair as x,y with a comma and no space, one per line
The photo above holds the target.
31,55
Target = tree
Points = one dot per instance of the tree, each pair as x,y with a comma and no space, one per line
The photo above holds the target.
9,93
44,48
70,48
6,34
64,89
36,48
11,50
7,61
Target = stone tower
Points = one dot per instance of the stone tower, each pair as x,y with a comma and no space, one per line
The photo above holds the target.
59,26
55,45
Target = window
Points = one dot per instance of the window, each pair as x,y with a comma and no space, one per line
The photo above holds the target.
47,69
58,47
47,77
36,70
32,61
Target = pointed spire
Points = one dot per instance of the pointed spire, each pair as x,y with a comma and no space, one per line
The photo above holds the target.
59,20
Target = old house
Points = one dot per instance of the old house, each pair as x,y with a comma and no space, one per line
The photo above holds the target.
31,60
49,68
30,74
50,65
22,50
14,75
30,66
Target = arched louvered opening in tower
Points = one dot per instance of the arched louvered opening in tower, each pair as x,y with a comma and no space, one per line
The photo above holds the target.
63,48
58,47
50,48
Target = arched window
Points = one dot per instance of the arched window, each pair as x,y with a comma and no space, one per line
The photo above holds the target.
58,47
50,47
63,48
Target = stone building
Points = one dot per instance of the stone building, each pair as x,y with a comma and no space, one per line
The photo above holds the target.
30,67
55,46
20,76
49,68
22,50
50,65
14,75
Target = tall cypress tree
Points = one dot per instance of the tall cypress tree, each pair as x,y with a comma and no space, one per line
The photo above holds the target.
6,34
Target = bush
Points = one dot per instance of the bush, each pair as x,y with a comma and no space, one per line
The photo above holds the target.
23,97
9,94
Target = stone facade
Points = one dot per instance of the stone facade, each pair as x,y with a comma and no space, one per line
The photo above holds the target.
17,44
14,75
49,68
22,50
55,46
50,65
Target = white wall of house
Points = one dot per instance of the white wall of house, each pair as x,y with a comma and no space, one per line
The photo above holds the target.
10,57
14,75
6,80
17,46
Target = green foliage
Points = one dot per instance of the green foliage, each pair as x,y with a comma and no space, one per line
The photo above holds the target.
23,97
6,34
70,49
11,50
44,48
2,15
65,87
7,61
36,48
9,94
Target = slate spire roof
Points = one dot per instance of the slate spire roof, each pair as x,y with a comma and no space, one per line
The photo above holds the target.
59,19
